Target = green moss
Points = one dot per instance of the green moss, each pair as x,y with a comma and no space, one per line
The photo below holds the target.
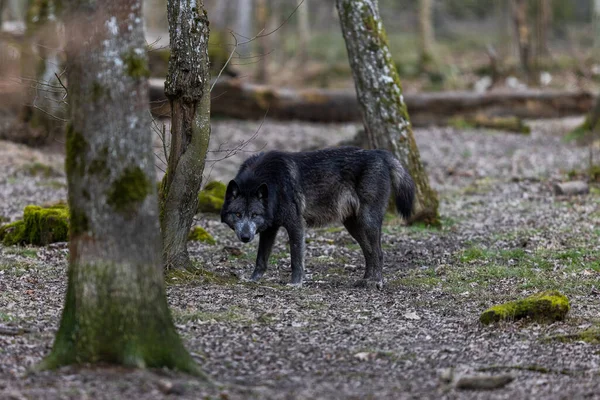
197,275
546,306
99,165
13,233
76,146
40,226
40,169
589,335
211,198
79,222
199,234
136,65
129,189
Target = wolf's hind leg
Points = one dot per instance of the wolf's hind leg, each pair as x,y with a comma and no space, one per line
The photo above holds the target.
366,230
296,233
265,245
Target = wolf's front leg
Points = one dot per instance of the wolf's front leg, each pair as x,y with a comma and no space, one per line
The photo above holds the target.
265,245
296,233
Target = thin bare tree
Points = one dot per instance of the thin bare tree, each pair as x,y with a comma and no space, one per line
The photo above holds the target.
188,89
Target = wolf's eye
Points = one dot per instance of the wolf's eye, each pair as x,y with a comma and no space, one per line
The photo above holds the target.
254,215
238,215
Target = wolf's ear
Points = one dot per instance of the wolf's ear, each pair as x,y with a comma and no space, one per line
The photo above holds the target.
262,192
233,190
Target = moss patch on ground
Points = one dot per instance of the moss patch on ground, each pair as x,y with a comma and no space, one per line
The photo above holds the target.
211,198
546,306
199,234
590,335
40,226
197,276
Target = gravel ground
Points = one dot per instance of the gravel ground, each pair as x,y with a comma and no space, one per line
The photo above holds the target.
505,235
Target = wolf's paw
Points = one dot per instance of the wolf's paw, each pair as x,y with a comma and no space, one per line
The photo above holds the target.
256,275
369,284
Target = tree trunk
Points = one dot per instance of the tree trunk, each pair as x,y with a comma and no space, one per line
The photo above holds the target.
115,309
543,23
262,42
43,109
244,23
303,31
379,92
523,33
596,23
188,89
425,35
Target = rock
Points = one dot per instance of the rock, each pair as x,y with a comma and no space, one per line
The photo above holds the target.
483,382
211,198
168,387
546,306
571,188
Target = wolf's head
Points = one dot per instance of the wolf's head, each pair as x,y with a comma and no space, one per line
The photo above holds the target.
245,211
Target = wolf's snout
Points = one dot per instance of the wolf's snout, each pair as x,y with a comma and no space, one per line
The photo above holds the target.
245,238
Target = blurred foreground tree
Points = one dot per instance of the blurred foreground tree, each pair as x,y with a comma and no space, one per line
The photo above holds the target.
386,118
41,116
115,309
188,89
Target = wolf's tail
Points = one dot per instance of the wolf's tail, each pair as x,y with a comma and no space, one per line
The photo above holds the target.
403,185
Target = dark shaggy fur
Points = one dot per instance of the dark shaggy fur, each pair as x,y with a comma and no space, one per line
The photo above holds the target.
296,190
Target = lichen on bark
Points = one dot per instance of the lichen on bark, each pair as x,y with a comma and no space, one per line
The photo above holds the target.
379,92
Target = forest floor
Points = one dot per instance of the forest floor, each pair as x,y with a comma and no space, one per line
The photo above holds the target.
505,235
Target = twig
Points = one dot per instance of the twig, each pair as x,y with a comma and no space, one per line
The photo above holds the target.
13,331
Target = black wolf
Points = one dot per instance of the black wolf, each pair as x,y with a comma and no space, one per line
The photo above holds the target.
298,190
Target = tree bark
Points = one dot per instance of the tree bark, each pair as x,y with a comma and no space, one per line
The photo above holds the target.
543,23
188,89
303,31
115,309
379,91
43,109
262,42
425,35
523,33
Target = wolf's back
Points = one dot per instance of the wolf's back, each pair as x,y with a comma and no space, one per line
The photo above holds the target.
403,185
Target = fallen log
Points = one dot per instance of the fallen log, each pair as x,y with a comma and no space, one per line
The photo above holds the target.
236,99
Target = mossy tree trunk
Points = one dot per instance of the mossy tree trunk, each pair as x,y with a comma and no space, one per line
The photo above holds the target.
43,108
386,118
426,59
115,309
188,89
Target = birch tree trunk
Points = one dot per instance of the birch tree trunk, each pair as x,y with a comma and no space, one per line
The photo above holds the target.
115,309
188,89
386,118
425,35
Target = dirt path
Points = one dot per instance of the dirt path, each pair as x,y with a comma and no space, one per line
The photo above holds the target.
505,236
